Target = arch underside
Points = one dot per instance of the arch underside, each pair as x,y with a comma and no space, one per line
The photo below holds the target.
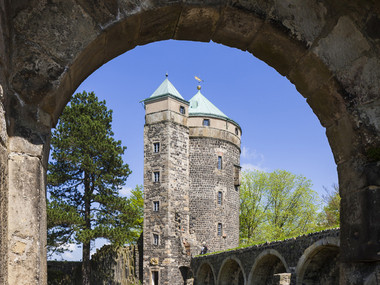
321,267
205,275
265,270
231,274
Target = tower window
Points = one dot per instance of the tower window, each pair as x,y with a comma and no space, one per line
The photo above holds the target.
237,188
219,162
154,277
220,229
156,177
206,122
155,239
220,197
156,206
182,110
156,147
236,131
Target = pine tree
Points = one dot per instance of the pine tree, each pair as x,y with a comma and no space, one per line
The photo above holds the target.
85,175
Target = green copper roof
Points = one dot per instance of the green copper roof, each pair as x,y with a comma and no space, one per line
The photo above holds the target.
166,88
201,106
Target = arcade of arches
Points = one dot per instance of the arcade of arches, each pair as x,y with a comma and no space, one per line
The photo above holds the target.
330,50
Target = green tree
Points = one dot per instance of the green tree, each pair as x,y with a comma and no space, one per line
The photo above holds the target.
85,175
276,205
330,215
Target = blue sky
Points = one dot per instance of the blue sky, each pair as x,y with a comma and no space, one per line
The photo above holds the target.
280,131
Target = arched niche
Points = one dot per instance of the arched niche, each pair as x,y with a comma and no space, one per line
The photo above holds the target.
319,264
266,265
205,275
231,273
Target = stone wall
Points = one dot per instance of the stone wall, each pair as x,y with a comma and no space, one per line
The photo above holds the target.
4,52
206,180
308,259
64,272
109,266
171,222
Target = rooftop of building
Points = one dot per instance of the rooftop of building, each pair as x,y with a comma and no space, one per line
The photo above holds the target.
200,106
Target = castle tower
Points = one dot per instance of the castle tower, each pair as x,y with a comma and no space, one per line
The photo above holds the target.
191,183
214,175
166,186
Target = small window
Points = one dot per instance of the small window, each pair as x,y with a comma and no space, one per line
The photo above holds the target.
156,147
154,277
156,176
182,110
220,197
155,239
156,206
220,229
206,122
236,131
237,188
219,162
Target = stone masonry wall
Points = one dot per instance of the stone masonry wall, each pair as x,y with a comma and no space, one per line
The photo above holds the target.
206,180
4,40
308,259
170,223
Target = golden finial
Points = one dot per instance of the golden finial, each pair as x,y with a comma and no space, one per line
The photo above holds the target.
199,81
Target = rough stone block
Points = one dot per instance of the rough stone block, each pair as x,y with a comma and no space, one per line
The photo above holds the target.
273,46
304,18
155,27
236,28
309,74
26,221
361,225
206,19
341,136
344,44
327,103
362,79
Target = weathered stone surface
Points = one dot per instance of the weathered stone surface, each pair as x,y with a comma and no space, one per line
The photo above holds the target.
304,19
236,28
3,214
342,46
207,19
275,47
26,235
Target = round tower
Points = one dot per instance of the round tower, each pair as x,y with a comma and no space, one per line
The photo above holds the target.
214,157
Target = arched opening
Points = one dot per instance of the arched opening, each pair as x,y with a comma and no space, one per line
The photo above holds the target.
268,264
304,51
205,275
231,273
319,264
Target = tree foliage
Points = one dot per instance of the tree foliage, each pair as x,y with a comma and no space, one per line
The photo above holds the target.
330,216
85,175
276,205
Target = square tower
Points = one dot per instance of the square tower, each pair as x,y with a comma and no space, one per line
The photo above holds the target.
166,187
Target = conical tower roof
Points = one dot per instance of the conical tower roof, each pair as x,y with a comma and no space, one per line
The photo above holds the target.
201,106
165,89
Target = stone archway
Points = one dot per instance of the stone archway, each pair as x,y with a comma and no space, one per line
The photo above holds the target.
231,273
328,49
205,275
319,263
268,265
